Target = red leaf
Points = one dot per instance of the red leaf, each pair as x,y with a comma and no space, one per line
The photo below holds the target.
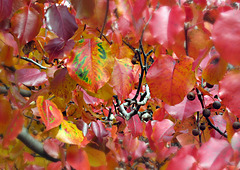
122,78
162,131
135,126
14,128
26,23
60,21
57,47
227,44
30,77
184,109
8,40
229,92
6,9
166,24
140,150
50,114
171,80
138,8
184,159
214,154
99,130
220,123
51,146
77,158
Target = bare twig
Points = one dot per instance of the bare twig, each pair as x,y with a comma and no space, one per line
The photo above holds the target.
34,62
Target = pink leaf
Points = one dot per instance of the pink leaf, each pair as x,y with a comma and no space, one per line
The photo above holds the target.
166,24
162,131
228,44
51,146
184,109
6,9
135,126
99,130
214,154
229,92
60,21
235,141
31,77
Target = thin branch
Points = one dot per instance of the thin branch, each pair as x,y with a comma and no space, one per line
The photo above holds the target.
198,125
216,128
24,93
104,37
186,38
105,19
34,145
34,62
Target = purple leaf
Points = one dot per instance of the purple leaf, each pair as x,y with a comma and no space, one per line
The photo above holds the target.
99,130
60,21
5,9
30,77
56,48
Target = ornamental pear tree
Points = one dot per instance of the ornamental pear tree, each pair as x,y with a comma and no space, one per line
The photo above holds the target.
119,84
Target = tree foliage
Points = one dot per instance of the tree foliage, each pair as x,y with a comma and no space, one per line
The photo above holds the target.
133,84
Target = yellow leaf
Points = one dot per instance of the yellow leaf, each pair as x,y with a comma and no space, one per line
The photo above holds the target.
96,157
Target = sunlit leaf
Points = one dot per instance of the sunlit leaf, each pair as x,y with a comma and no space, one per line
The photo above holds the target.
171,80
60,21
8,40
215,70
91,64
62,84
50,114
122,78
184,109
166,24
162,131
77,158
30,76
69,133
14,128
214,154
235,141
229,92
26,23
226,36
57,47
96,157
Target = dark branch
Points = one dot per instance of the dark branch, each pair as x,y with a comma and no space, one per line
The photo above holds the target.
24,93
34,145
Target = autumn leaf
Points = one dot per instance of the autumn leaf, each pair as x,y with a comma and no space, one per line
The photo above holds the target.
122,78
135,126
77,158
229,90
60,21
62,84
50,114
166,24
96,157
69,133
30,76
215,70
171,80
29,26
90,65
227,44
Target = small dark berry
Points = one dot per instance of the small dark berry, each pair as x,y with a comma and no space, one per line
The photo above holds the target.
195,132
134,60
191,96
216,105
209,85
206,112
202,127
236,125
129,157
157,107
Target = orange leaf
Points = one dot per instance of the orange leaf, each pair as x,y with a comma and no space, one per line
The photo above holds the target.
171,80
50,114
